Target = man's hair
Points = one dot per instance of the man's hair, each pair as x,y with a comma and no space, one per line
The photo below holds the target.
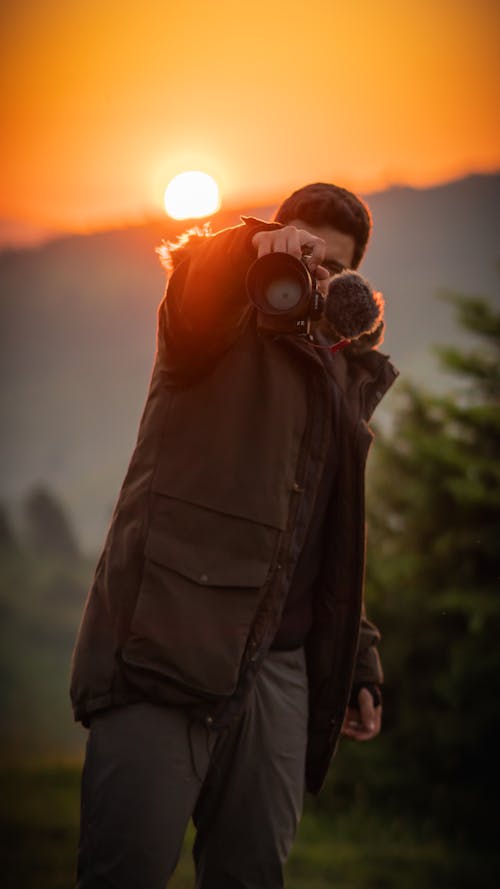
323,204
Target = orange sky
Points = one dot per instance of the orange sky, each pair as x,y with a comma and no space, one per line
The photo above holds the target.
104,101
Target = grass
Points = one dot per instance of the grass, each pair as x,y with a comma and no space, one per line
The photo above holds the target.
39,812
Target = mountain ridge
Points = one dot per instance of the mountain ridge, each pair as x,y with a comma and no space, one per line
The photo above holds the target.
79,315
32,235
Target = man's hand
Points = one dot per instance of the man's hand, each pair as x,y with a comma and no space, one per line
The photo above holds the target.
363,723
295,241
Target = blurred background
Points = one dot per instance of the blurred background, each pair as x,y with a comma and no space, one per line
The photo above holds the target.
102,105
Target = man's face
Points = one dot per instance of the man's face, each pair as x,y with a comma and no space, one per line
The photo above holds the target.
339,251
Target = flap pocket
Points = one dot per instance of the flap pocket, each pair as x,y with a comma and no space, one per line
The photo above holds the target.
204,577
209,547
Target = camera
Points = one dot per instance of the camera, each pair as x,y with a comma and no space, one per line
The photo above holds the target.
285,294
284,291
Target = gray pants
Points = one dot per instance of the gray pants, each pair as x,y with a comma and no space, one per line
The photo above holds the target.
148,769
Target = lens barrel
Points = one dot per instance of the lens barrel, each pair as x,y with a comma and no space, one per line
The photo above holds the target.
280,284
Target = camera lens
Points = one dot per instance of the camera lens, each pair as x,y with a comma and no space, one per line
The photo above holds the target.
283,294
280,284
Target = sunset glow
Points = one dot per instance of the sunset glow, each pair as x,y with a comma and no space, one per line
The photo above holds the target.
192,195
102,104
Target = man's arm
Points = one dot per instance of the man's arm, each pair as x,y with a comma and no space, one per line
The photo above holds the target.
206,302
363,719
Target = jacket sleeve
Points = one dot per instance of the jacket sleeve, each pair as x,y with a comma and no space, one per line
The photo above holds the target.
205,305
368,667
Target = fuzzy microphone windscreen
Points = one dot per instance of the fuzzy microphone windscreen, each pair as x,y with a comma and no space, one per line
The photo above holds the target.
352,307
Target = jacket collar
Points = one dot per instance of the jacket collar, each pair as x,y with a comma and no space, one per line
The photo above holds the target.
362,376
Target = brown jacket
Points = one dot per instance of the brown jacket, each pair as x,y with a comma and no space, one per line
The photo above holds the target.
212,514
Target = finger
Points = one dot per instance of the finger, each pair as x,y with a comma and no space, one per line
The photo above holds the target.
356,732
354,727
293,241
315,247
263,241
283,240
321,273
367,710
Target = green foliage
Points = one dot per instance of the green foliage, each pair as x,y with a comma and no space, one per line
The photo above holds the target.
41,599
39,814
433,585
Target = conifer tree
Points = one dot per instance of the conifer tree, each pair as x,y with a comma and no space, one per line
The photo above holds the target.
434,579
49,528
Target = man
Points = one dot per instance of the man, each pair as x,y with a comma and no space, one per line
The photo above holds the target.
224,638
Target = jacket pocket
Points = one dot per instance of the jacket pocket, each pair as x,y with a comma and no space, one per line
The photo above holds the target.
204,576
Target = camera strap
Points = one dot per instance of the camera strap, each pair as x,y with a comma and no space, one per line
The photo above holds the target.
337,347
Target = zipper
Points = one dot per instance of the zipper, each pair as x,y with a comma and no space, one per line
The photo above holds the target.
254,654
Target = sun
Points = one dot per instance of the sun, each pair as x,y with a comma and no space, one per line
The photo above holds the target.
191,195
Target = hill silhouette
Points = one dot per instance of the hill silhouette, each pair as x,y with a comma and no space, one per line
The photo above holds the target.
78,330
